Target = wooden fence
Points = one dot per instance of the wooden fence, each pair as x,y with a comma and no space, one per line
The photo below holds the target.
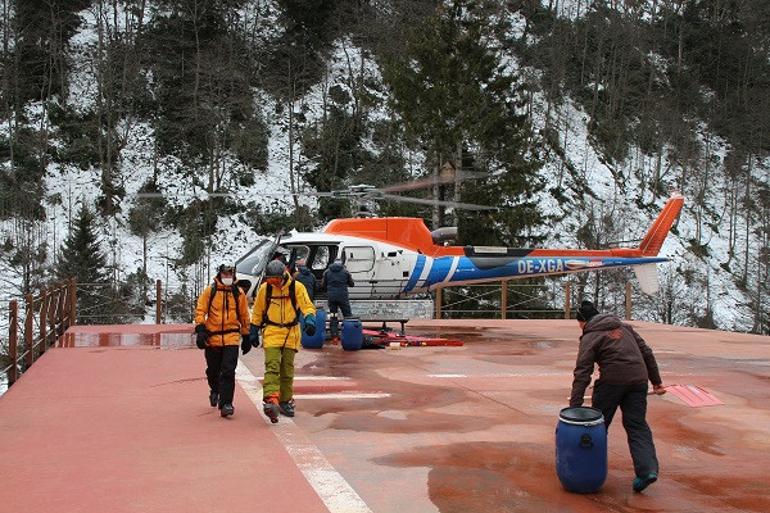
46,317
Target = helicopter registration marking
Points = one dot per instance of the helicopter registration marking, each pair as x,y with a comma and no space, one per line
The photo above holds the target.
540,265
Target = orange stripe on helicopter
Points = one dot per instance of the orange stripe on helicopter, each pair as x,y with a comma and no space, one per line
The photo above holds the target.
406,232
657,233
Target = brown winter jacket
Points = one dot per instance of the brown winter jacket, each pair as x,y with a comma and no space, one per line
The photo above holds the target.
622,355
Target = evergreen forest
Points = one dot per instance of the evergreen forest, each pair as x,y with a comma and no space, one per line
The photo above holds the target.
155,139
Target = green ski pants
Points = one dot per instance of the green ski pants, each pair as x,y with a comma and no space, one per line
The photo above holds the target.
279,372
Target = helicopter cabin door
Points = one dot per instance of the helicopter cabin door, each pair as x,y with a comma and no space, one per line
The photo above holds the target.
359,261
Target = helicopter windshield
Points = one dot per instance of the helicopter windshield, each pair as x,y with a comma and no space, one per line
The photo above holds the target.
256,259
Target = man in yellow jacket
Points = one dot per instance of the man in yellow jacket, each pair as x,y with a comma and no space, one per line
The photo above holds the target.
221,325
281,306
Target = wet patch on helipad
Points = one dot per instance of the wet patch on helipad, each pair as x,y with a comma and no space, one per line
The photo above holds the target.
744,494
496,478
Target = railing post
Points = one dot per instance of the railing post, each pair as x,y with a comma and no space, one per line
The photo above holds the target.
628,301
61,307
28,328
43,320
157,302
53,305
504,299
567,300
13,337
72,293
437,303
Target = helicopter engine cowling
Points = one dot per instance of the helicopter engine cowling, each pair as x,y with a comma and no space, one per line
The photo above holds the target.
444,234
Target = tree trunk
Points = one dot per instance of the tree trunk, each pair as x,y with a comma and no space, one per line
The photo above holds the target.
436,217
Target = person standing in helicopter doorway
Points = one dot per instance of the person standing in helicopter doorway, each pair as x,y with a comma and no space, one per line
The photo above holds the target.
305,277
335,282
221,325
279,305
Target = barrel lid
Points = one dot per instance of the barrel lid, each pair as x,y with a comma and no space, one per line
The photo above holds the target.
581,414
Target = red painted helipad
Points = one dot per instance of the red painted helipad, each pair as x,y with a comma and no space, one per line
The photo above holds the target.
104,427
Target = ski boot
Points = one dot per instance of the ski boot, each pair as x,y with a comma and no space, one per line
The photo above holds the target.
287,407
271,408
214,399
227,410
640,483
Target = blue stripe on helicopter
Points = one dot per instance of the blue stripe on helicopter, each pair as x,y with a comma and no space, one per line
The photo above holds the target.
467,270
416,272
439,271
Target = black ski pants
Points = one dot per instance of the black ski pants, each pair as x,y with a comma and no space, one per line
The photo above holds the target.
632,400
336,304
220,371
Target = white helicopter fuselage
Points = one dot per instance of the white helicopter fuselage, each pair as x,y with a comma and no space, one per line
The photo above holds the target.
389,258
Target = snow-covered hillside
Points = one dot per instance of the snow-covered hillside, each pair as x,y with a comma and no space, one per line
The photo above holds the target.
587,185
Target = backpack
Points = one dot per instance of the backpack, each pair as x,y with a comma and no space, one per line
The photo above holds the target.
292,298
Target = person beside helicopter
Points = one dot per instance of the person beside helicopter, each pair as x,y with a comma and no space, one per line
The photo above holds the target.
335,282
626,363
280,303
305,276
221,325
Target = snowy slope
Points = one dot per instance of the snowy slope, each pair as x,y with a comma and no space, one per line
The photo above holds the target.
612,189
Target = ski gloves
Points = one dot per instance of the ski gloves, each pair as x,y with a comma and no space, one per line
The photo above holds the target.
201,336
250,340
310,325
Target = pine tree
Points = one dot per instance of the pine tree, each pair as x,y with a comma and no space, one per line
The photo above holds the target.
459,103
82,259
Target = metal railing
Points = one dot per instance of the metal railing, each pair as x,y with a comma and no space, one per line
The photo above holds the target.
510,300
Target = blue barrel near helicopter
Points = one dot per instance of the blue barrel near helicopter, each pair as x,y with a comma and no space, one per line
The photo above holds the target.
352,334
581,449
315,341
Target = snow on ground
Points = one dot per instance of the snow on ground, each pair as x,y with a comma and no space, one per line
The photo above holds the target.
573,9
260,18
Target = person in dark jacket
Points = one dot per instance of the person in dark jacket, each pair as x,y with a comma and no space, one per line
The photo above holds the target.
305,277
626,363
335,282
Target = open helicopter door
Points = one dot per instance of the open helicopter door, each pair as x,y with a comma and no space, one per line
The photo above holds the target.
250,269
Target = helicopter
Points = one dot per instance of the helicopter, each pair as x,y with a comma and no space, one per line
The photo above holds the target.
398,257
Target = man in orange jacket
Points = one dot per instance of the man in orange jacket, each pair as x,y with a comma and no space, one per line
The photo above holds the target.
221,325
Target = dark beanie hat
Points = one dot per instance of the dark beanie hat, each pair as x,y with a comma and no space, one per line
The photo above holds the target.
586,311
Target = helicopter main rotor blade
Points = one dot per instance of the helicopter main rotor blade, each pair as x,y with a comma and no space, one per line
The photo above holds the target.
430,181
423,201
233,195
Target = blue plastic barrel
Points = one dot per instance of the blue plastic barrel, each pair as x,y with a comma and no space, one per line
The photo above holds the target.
316,341
581,449
352,334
